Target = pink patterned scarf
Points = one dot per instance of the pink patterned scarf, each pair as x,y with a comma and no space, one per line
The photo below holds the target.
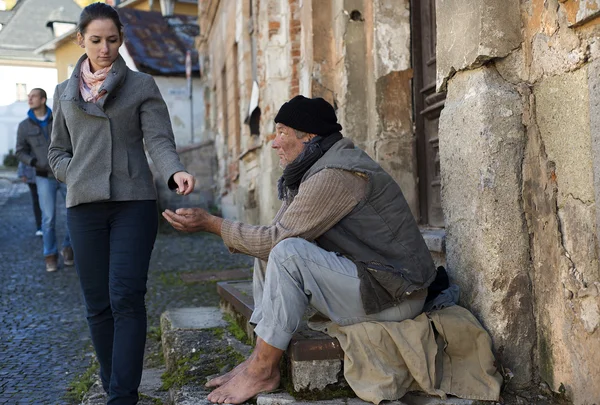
90,82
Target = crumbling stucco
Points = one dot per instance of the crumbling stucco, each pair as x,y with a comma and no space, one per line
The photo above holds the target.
581,11
560,184
481,150
557,188
395,147
594,106
471,32
392,36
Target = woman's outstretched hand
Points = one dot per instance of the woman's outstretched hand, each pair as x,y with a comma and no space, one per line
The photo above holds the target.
185,182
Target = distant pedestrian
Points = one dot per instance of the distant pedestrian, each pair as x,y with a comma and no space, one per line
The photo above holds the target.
27,176
104,115
33,140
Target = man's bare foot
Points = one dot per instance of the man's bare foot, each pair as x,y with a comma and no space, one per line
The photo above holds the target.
246,384
222,379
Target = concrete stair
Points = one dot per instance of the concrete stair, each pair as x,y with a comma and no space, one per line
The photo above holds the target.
199,343
313,359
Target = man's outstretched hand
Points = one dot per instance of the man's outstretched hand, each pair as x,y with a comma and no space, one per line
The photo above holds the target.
193,220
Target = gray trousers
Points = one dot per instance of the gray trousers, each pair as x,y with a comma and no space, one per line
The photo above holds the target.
298,274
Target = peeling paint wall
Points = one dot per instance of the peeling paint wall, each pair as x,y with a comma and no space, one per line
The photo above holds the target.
372,94
317,49
481,149
175,92
225,49
532,278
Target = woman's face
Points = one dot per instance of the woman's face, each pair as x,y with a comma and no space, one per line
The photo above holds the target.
101,42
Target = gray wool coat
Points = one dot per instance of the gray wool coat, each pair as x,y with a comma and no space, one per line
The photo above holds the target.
97,149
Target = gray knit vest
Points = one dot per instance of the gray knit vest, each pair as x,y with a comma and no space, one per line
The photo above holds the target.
380,234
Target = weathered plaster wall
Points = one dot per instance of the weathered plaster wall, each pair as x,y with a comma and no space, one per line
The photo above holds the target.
471,32
550,87
392,140
199,160
278,42
559,205
175,92
247,205
373,94
225,47
318,49
481,149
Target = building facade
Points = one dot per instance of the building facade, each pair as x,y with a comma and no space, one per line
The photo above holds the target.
25,25
486,114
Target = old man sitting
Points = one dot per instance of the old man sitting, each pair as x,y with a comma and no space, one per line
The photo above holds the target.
344,242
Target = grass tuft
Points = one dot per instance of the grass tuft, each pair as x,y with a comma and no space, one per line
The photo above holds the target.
82,384
236,330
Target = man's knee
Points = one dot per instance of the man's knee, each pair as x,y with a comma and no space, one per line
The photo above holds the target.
289,247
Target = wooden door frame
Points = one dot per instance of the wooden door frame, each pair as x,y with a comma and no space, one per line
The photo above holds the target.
418,104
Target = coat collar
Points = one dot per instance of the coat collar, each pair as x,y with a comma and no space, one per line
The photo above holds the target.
115,78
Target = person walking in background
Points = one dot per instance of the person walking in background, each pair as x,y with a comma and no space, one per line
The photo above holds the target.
27,175
33,139
104,115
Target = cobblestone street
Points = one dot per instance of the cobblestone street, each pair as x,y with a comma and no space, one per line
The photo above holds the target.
44,342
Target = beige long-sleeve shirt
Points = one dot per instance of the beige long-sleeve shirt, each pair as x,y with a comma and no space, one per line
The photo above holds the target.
322,201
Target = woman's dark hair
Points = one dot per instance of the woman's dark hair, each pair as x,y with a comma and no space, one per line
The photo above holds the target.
98,11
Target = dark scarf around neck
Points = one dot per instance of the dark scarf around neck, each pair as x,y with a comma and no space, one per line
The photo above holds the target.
289,182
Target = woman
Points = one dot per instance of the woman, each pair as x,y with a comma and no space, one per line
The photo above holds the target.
103,116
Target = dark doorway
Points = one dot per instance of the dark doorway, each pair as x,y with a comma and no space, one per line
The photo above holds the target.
427,107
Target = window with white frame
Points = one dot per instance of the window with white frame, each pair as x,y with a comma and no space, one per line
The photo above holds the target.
21,92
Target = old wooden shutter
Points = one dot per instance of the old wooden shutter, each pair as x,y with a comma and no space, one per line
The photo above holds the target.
428,104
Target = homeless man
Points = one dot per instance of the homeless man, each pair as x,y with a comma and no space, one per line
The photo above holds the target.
344,242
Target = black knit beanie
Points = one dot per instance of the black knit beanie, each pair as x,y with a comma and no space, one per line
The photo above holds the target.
310,115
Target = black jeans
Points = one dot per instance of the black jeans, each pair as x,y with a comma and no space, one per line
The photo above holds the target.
113,242
37,212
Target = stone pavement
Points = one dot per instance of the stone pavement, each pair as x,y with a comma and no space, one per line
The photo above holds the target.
42,326
44,341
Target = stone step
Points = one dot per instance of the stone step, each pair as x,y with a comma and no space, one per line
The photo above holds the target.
409,399
313,359
196,346
306,345
150,391
192,395
196,341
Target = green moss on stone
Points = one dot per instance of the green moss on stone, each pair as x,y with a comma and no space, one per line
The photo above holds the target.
155,401
229,357
197,367
82,384
333,391
218,332
235,329
181,375
170,280
155,333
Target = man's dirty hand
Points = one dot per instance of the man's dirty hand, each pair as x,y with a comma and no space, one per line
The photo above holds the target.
193,220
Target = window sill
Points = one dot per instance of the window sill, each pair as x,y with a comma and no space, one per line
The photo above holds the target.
435,239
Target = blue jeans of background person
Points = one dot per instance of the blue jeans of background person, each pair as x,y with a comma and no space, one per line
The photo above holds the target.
47,187
113,242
